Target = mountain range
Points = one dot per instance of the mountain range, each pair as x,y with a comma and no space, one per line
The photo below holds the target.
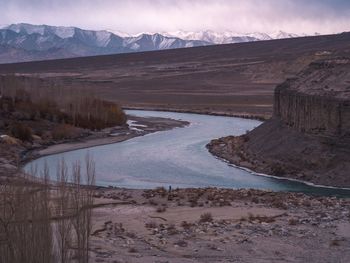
26,42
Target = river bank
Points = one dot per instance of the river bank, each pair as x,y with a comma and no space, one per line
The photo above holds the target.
137,126
176,157
14,154
212,224
259,117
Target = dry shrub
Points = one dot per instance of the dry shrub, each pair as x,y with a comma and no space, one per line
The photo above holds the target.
206,217
293,221
132,250
21,131
261,219
172,230
64,131
151,224
161,209
278,169
153,202
161,191
186,225
181,243
335,242
279,204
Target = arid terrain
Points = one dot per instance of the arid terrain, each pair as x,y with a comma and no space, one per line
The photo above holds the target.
233,79
216,225
308,137
200,225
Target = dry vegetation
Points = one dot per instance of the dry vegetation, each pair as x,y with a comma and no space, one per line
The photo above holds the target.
25,99
42,223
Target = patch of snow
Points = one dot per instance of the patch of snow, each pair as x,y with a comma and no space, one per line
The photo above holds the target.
29,29
227,36
119,33
166,43
116,134
103,38
281,35
135,46
64,32
134,126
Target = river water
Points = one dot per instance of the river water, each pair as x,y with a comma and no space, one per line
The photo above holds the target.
176,157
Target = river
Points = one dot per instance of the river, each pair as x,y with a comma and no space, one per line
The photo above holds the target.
176,157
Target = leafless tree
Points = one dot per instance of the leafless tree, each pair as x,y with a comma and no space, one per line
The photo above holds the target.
28,232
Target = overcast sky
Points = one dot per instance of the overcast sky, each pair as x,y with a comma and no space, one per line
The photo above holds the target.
135,16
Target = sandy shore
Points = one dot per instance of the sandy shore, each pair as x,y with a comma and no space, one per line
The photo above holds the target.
244,115
139,126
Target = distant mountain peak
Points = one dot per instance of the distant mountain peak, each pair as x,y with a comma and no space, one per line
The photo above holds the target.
32,42
226,37
43,41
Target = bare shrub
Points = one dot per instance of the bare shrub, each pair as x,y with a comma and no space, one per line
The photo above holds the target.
261,219
172,230
293,221
206,217
64,131
21,131
151,224
132,250
161,209
186,225
335,242
153,202
181,243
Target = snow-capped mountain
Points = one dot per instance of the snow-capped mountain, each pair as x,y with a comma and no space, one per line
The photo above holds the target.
25,42
43,42
282,35
227,37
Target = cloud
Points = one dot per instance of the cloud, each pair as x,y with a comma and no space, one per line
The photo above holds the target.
134,16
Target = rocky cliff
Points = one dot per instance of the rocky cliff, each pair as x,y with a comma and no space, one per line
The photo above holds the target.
308,137
318,100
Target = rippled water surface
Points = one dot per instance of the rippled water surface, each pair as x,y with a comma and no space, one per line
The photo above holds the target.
177,157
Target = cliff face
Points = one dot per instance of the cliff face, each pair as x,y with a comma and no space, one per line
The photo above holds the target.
318,100
308,137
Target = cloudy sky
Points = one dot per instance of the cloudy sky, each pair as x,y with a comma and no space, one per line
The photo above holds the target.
135,16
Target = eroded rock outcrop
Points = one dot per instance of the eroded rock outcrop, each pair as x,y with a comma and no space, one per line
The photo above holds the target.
318,100
308,137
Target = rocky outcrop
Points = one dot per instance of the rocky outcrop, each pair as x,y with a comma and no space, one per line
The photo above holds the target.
318,100
308,137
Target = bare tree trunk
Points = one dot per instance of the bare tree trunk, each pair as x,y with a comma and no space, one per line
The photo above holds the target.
64,226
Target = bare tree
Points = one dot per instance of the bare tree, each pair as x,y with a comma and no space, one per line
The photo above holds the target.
27,210
63,226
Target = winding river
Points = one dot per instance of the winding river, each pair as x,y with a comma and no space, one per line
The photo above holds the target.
178,158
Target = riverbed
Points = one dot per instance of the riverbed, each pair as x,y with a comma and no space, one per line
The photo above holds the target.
176,158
